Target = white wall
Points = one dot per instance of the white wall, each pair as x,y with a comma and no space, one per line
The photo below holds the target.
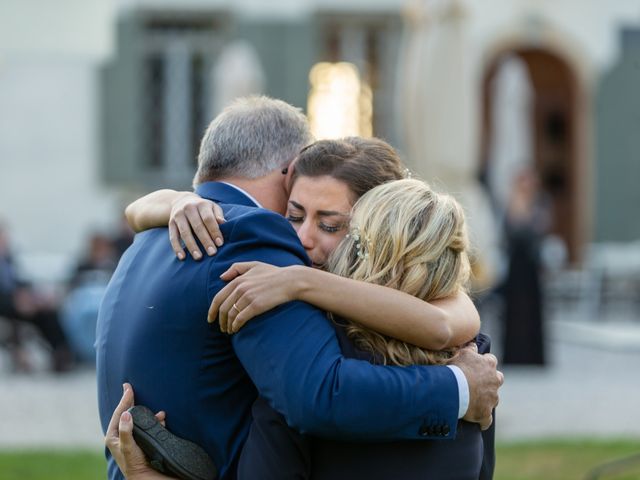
63,27
50,193
591,26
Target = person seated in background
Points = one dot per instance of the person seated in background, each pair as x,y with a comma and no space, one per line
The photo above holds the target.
99,261
87,285
20,302
123,237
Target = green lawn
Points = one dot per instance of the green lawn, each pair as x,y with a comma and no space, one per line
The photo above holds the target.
563,460
51,465
548,460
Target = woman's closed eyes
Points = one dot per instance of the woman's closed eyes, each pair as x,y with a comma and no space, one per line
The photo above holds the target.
297,218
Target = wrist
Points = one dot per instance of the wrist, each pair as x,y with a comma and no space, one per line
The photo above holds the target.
180,197
145,474
298,282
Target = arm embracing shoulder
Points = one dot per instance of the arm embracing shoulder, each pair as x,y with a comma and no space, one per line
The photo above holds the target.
152,210
435,325
293,357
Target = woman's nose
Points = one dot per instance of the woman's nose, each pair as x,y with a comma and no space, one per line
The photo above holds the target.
306,236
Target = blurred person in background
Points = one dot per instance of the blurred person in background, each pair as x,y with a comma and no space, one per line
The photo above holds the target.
100,260
526,222
87,285
123,238
21,302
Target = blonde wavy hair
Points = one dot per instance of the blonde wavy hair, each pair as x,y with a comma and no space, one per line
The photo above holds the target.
405,236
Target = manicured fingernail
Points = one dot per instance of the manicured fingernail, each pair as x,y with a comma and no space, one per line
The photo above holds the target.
197,255
218,241
211,251
180,256
126,416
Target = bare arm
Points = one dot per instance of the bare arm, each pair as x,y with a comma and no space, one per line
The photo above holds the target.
152,210
256,287
185,213
434,325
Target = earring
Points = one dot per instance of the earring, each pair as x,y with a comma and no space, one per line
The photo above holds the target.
285,170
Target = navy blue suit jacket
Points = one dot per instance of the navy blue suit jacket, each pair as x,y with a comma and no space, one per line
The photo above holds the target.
274,451
152,332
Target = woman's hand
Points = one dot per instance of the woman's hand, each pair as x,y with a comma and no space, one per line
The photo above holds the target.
253,288
119,440
191,214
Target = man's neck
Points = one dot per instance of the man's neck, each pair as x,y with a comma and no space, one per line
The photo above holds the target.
269,190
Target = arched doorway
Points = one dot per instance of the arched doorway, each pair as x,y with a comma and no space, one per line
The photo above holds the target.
556,149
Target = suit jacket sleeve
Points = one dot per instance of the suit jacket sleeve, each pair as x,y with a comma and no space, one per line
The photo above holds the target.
292,355
488,436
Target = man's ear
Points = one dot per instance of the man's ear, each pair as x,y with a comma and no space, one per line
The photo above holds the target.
288,176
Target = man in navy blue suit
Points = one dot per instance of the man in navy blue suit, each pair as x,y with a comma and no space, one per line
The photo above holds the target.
152,329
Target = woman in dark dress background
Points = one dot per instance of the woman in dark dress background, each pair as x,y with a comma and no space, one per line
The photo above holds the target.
525,224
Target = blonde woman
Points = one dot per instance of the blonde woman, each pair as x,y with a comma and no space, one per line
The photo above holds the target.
402,235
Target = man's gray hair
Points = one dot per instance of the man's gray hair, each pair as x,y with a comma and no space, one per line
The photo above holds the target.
251,138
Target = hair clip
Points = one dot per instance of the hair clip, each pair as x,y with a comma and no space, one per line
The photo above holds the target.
361,243
407,173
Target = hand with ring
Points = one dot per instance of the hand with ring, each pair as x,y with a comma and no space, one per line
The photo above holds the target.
253,288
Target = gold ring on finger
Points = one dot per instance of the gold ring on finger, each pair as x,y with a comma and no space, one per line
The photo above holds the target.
236,307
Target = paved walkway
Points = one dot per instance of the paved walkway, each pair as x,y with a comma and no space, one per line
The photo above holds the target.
588,392
592,388
49,411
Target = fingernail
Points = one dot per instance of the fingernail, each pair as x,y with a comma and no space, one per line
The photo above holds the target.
126,416
211,251
181,256
124,387
219,241
197,254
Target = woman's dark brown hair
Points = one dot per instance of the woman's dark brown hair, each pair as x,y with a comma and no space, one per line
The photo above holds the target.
361,163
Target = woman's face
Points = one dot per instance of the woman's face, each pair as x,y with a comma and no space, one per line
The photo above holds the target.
319,209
